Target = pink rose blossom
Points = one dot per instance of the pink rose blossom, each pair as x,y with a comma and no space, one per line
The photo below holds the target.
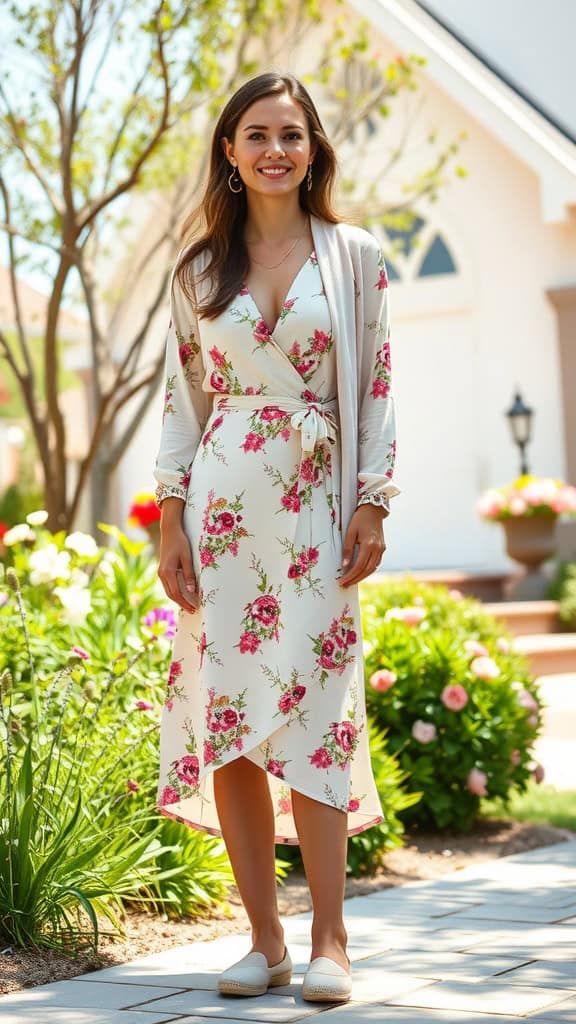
217,381
353,805
485,668
503,645
80,653
533,721
284,805
144,705
217,357
226,522
206,557
169,704
188,769
275,768
297,693
253,442
209,754
490,504
285,703
169,796
412,615
456,594
312,555
380,388
326,661
249,642
454,697
320,342
344,733
423,732
271,412
515,758
185,353
261,332
320,758
285,433
266,609
476,648
327,647
233,548
132,785
351,637
229,719
290,501
517,506
294,571
476,782
382,281
539,773
383,679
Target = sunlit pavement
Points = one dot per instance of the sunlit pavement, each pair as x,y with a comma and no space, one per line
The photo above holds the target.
491,944
556,748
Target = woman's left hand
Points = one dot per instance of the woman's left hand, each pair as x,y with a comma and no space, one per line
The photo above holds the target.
365,530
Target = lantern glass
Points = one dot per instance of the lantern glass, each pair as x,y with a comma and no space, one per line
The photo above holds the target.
520,420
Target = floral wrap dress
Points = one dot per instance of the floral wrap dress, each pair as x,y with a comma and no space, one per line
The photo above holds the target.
270,667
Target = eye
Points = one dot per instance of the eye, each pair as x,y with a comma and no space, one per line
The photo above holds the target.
294,135
256,135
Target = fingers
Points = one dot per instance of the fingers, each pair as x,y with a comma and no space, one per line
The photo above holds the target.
182,594
348,546
367,561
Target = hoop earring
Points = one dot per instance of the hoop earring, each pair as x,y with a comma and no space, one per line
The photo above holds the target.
309,177
235,181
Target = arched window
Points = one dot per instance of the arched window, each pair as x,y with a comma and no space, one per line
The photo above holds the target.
414,249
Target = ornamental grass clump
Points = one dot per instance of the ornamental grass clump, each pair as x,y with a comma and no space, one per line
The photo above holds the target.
459,705
82,686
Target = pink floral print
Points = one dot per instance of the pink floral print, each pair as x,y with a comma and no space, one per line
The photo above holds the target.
306,358
261,619
266,424
292,694
335,647
221,529
300,569
225,724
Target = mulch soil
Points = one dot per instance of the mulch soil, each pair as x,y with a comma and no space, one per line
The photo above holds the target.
423,856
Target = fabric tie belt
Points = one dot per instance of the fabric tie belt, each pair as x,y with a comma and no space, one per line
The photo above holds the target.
316,421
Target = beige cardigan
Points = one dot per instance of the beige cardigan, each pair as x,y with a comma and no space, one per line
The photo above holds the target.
355,284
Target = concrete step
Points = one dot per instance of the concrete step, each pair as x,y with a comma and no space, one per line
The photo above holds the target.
526,617
485,586
548,653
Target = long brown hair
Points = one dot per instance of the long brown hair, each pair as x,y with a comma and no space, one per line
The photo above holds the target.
222,213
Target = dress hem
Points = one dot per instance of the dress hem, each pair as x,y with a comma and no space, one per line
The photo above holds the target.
278,840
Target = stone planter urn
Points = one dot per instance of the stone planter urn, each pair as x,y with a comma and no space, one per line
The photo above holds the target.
531,541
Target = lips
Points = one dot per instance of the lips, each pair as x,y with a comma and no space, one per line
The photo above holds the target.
274,172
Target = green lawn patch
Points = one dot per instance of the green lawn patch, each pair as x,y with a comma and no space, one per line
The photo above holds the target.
543,805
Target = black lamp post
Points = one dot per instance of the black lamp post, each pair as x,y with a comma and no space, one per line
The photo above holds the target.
520,420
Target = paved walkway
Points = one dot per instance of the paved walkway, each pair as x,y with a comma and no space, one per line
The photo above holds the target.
556,747
487,945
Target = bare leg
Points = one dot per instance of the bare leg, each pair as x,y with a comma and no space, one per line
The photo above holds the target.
322,831
247,821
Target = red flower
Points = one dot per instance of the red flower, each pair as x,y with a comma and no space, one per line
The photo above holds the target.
226,522
344,733
307,469
229,719
321,341
351,637
291,501
275,768
266,610
328,647
169,796
382,281
285,703
312,555
217,381
249,642
209,755
294,571
188,769
174,671
217,357
353,806
253,442
261,333
321,758
380,388
271,412
185,353
297,693
142,513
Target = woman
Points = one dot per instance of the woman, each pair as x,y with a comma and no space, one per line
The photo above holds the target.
274,475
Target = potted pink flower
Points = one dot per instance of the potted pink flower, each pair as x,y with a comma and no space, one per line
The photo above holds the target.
528,510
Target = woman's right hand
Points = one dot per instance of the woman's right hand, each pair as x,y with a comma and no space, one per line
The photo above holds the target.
176,564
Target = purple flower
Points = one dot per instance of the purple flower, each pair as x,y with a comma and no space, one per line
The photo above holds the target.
161,615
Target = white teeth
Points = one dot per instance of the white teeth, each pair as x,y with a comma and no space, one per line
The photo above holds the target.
272,172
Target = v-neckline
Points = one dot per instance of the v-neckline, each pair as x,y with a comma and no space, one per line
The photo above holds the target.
286,297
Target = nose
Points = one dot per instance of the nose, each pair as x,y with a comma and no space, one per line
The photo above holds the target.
275,147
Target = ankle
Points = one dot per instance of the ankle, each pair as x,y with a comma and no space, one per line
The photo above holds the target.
332,935
270,941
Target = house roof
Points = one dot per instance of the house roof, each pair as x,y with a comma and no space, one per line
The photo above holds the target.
529,47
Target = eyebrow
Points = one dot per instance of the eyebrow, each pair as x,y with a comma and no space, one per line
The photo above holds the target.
263,127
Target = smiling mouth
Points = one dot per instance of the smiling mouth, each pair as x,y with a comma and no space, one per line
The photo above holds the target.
274,172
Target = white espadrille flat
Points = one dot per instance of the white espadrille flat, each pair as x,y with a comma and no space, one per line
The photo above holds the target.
326,982
251,976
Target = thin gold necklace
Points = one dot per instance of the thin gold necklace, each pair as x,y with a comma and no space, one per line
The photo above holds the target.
273,266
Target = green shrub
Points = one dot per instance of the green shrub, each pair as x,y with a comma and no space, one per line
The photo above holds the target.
460,707
563,590
83,683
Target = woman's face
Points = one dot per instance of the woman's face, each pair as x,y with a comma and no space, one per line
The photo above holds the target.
272,146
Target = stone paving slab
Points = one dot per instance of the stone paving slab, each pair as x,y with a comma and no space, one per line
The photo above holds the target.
497,996
492,944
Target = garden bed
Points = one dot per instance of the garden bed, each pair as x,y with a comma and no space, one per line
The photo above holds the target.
423,856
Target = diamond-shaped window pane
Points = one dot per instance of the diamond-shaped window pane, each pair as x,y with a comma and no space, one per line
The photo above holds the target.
437,260
392,271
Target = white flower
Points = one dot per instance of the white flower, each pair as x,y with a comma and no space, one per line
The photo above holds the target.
17,534
77,604
82,543
48,564
424,732
37,518
79,578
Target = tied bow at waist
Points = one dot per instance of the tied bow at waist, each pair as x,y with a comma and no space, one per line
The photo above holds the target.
316,421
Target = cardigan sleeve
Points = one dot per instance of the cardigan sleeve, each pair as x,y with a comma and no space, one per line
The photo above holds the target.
186,406
377,420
